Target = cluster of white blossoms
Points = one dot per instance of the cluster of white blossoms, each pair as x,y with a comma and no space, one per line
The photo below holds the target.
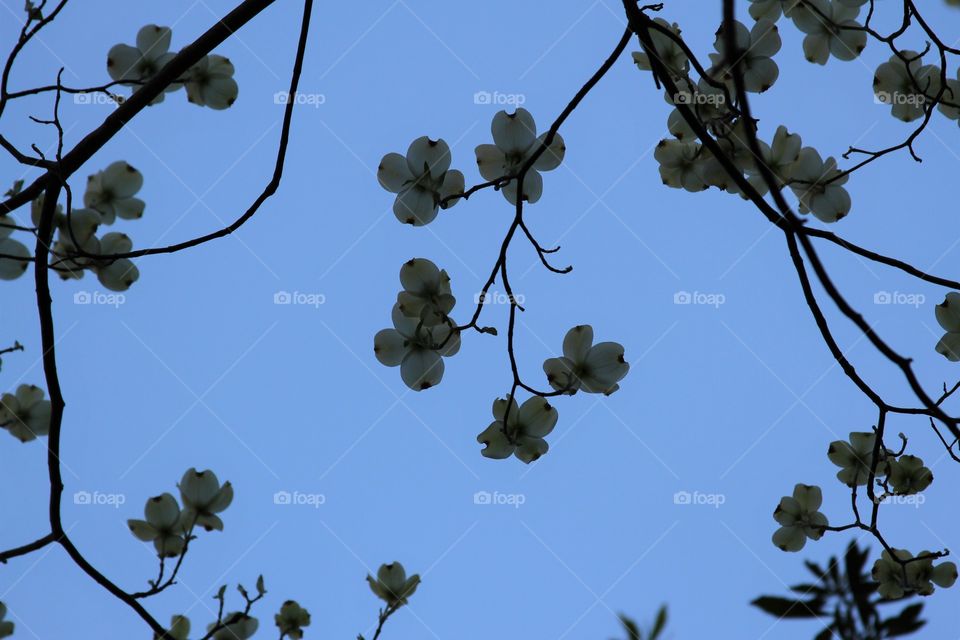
905,574
208,83
169,526
423,333
25,414
6,627
948,315
392,584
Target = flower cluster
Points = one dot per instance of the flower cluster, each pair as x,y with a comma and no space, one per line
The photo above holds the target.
392,584
170,527
25,414
901,573
291,620
855,458
208,83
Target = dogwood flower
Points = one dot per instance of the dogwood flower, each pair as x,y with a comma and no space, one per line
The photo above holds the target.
897,579
291,620
163,526
679,166
11,267
593,368
779,156
25,414
134,65
392,585
524,432
948,315
237,626
417,351
906,84
818,185
799,518
179,628
831,29
111,192
210,83
426,293
6,627
855,458
771,9
421,180
115,275
515,142
203,497
669,52
755,49
950,100
908,475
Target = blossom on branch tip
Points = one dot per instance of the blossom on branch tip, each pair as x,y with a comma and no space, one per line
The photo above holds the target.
831,29
111,191
818,185
515,142
754,53
291,620
210,83
948,315
25,414
908,475
6,627
680,164
134,65
236,626
418,349
523,432
163,526
593,368
907,85
392,585
799,518
855,458
422,180
203,497
426,293
897,579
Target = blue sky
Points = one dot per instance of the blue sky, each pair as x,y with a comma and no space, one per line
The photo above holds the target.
198,366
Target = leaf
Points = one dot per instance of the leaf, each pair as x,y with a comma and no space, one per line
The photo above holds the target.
906,622
805,589
17,185
633,631
826,634
787,608
659,624
243,592
220,594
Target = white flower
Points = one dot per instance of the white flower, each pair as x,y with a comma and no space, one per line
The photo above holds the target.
948,315
950,100
831,28
897,580
6,627
421,180
25,414
203,498
908,475
680,164
134,65
119,274
162,526
515,141
417,352
426,293
906,87
111,192
593,368
755,50
670,53
11,268
291,620
772,9
179,628
526,427
237,626
779,156
210,83
392,585
818,187
855,458
799,518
